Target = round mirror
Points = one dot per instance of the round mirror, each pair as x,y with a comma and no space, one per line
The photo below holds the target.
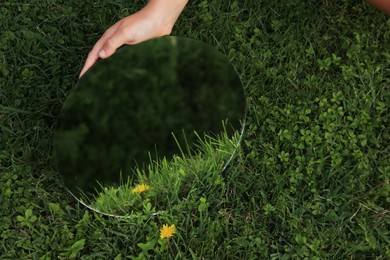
146,103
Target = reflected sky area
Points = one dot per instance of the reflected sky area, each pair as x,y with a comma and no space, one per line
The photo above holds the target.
142,103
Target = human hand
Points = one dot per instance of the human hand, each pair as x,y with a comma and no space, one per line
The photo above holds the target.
156,19
383,5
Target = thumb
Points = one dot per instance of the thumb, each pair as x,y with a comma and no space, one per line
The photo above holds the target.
112,43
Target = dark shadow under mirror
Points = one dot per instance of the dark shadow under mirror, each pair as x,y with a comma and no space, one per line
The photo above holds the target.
146,105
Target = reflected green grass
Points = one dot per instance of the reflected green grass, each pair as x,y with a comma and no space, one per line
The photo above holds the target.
133,107
170,180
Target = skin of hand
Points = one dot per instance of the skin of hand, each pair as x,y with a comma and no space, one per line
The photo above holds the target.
383,5
156,19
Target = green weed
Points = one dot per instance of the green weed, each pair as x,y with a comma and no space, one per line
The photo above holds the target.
311,180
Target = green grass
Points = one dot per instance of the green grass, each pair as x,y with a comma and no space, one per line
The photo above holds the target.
170,182
311,179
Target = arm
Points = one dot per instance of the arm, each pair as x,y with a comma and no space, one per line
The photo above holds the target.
383,5
156,19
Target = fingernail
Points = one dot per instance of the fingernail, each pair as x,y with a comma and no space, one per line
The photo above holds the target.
102,53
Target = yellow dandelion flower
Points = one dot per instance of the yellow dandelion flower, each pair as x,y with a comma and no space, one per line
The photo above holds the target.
167,231
141,188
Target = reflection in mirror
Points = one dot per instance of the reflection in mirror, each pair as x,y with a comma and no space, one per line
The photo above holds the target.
143,116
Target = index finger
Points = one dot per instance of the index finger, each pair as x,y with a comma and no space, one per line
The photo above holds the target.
93,55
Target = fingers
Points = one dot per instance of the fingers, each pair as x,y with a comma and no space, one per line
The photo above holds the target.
93,55
88,63
115,41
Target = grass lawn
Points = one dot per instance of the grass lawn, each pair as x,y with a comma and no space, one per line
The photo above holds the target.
311,179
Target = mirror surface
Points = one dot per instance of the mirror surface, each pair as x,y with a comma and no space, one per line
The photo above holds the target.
147,102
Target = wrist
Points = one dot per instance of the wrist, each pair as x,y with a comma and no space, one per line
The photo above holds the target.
166,12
